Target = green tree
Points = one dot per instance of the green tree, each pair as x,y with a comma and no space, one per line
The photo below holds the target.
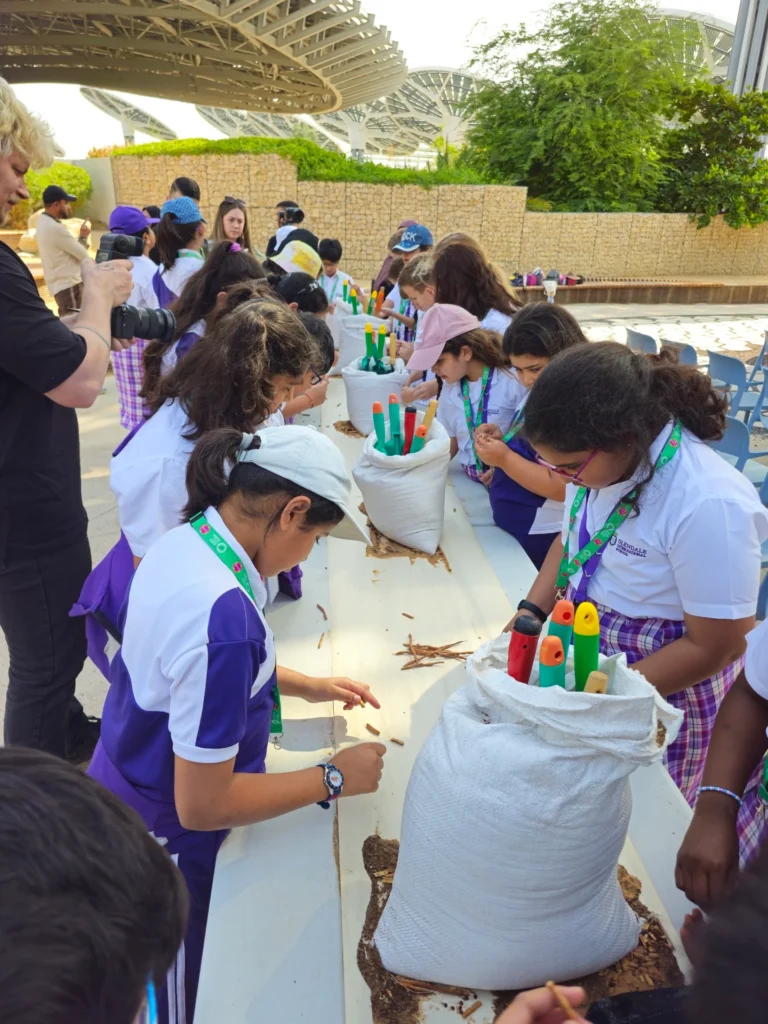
710,156
573,109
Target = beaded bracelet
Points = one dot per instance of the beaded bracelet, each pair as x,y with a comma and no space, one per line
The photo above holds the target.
719,789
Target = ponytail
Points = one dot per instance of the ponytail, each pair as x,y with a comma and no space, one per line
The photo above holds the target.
196,303
170,236
485,346
227,378
604,397
214,474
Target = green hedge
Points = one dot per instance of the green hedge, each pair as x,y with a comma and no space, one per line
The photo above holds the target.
74,179
313,163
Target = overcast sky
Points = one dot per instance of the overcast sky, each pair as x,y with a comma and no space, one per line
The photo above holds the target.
426,34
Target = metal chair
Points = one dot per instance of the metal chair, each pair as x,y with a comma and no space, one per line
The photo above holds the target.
643,343
685,353
729,375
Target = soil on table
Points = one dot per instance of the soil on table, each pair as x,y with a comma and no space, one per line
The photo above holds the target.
346,428
383,547
396,1000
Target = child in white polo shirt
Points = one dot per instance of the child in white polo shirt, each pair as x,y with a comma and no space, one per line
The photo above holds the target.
478,387
659,532
195,688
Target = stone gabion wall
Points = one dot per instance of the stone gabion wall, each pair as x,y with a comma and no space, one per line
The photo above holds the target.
615,246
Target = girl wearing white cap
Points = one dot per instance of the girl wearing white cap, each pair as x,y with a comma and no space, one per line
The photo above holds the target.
477,385
195,689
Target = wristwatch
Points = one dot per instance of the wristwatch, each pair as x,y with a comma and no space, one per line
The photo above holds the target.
334,782
534,609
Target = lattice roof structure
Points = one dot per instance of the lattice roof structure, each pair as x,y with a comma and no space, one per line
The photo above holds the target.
242,123
708,44
131,117
430,103
284,56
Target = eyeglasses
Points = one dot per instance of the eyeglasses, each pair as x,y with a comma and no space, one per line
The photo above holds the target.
570,474
317,378
240,203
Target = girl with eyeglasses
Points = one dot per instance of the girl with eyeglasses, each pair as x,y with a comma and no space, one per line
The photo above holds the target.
478,387
231,224
526,497
659,532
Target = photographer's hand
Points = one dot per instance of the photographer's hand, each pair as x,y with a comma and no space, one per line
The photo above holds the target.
105,285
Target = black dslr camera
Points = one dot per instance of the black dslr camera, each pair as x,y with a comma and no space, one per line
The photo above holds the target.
134,321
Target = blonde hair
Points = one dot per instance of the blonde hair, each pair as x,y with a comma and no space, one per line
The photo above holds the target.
24,133
418,273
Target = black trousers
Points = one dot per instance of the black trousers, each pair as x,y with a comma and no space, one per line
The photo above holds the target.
47,648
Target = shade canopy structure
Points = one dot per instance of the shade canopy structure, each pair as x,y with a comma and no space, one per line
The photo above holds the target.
749,62
284,56
244,123
705,44
131,117
429,104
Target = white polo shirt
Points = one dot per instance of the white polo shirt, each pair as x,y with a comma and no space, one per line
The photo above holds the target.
756,661
169,284
143,293
495,320
505,397
334,286
148,478
693,547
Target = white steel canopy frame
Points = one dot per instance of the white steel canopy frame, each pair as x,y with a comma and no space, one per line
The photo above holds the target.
284,56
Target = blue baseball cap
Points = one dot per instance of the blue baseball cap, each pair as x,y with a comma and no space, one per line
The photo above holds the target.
413,238
183,209
129,220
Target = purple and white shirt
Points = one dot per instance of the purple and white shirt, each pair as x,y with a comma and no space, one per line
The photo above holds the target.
196,669
180,347
169,284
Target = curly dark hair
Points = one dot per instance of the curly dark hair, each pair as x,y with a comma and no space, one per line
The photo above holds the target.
463,277
604,396
226,379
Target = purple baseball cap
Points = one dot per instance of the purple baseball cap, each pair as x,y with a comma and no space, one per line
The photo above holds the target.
442,322
129,220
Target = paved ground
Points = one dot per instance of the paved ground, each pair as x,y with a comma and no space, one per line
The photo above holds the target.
736,330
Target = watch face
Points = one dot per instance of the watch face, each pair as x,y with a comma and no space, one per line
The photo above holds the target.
335,778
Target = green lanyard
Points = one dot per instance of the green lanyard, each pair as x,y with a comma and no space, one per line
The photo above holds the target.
515,427
335,286
478,419
189,254
232,560
615,519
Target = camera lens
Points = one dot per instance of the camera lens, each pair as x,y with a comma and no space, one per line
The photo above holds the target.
139,322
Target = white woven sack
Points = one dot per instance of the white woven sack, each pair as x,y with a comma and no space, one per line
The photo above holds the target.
404,495
514,819
352,336
364,388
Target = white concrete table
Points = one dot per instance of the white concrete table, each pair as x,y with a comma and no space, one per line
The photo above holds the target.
290,896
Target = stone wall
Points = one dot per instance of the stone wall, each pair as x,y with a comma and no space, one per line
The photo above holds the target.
598,245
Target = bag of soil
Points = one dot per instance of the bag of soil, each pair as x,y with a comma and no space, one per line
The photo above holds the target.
352,337
515,816
404,495
364,387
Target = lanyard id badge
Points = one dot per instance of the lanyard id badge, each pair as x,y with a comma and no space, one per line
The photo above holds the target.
515,426
232,560
588,557
481,415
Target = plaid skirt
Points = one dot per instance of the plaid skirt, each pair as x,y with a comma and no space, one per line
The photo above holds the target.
638,638
129,376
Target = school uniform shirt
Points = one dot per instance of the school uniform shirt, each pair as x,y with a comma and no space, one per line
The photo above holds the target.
515,508
694,546
196,668
334,286
148,477
506,394
180,347
169,284
495,320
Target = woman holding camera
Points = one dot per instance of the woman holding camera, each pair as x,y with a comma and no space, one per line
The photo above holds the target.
129,374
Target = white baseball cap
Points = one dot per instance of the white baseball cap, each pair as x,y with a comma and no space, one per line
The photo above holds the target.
308,459
298,258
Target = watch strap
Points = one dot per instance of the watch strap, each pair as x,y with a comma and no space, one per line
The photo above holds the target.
529,606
